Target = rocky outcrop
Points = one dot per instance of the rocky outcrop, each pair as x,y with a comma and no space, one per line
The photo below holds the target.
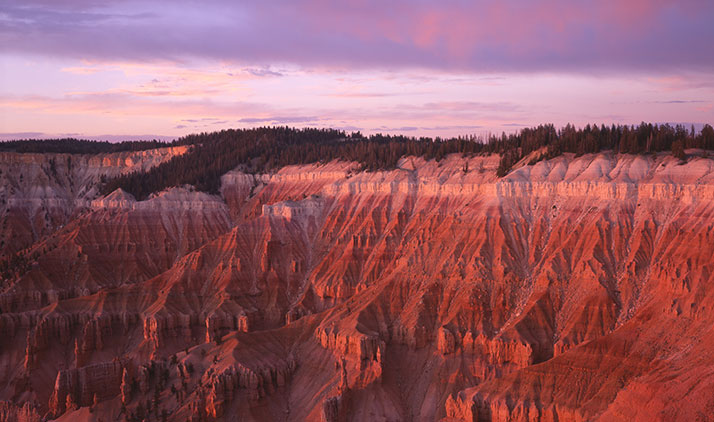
11,412
446,343
125,388
78,387
46,331
360,346
219,323
157,328
256,383
49,329
171,200
479,409
331,409
498,351
93,334
40,192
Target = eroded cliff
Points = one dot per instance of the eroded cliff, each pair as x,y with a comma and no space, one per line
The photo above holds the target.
577,288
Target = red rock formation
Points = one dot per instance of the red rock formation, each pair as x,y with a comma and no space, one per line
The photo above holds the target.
80,386
573,289
125,388
10,412
39,193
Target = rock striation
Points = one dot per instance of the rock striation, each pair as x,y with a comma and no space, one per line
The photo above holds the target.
576,288
39,193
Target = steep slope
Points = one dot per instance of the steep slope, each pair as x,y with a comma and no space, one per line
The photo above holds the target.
573,289
40,192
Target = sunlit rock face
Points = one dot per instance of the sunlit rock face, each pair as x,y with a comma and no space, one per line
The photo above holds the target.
578,288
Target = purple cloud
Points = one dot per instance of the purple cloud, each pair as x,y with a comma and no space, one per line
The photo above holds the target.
5,136
510,35
452,128
201,120
279,119
395,129
262,71
11,136
681,102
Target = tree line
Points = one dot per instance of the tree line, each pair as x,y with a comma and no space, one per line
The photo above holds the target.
77,146
545,142
269,148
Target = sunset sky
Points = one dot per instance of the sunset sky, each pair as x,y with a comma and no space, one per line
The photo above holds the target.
150,68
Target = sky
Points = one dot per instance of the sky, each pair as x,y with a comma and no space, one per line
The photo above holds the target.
161,69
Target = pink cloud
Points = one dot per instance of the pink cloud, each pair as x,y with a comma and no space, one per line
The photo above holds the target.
508,35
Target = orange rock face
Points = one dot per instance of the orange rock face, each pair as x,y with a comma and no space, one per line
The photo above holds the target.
579,288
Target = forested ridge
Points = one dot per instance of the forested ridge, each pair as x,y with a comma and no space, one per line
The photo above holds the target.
267,149
77,146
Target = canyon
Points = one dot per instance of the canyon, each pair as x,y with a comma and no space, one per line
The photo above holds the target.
572,289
